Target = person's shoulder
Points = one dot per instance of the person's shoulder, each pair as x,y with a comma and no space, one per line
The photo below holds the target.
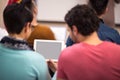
104,27
75,47
112,47
33,56
111,44
107,33
27,55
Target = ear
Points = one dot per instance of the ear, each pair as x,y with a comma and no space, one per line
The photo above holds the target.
75,30
27,27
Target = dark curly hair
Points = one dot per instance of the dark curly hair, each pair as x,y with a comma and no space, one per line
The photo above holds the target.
99,6
84,18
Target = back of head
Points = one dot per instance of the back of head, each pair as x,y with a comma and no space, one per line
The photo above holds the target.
26,2
84,18
99,6
16,16
31,4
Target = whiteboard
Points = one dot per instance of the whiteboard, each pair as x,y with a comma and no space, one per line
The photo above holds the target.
55,10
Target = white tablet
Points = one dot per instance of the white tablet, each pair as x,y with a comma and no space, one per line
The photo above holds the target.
50,49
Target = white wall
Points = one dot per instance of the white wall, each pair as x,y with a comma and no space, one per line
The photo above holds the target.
55,10
2,6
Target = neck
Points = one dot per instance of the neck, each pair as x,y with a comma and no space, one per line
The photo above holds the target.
93,39
18,37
